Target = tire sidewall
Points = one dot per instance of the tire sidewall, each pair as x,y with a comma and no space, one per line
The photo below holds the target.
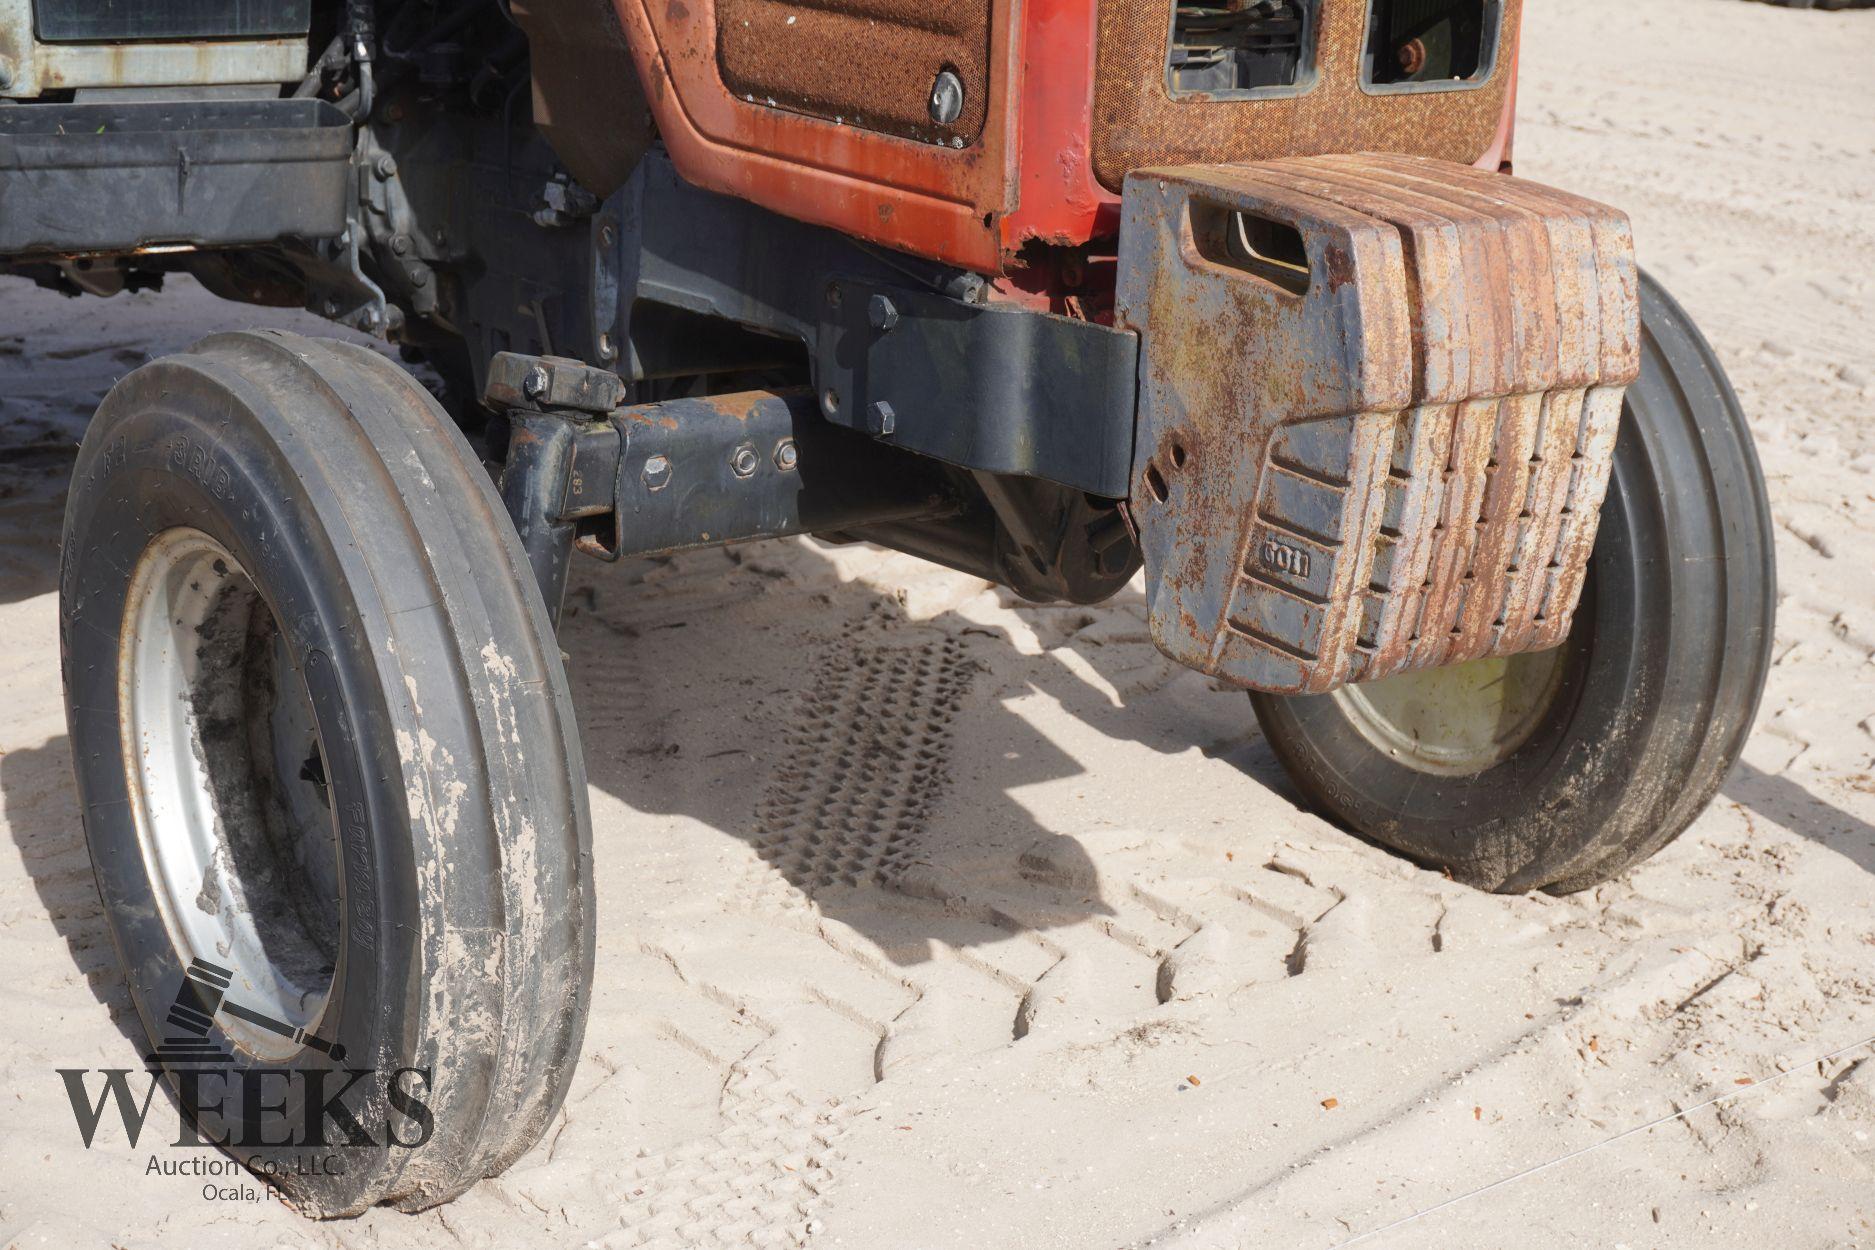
1561,786
1663,671
173,447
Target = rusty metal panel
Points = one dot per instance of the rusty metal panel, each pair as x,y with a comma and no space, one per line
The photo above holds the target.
932,199
33,67
1140,122
1378,439
870,64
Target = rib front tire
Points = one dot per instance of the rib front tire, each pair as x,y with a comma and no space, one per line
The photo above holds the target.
1559,771
326,755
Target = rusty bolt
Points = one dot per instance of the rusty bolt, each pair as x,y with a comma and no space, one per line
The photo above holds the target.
657,474
534,385
1412,56
743,461
881,313
787,455
880,418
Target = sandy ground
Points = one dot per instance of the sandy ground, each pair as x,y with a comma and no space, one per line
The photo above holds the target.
931,920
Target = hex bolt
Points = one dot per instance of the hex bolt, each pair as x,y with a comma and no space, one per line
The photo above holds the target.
880,418
400,244
386,165
657,473
947,98
881,313
743,461
534,385
787,455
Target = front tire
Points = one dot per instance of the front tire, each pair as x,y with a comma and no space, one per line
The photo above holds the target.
1559,771
330,777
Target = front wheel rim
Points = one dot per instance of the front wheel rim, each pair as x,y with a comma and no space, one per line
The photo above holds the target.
1460,720
227,785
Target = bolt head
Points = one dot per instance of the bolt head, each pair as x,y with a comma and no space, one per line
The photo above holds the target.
880,418
657,472
534,385
386,165
947,98
787,455
743,461
881,313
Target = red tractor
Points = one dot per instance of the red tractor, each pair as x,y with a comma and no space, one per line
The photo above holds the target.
1240,293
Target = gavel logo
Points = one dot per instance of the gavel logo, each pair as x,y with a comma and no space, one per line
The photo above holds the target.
203,992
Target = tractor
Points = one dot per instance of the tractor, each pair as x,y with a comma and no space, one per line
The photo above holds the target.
1235,301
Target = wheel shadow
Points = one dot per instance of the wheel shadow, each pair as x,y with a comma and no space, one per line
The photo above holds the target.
1777,798
743,690
39,809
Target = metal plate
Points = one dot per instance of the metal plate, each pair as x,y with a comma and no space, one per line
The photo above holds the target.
105,20
1391,455
995,387
112,177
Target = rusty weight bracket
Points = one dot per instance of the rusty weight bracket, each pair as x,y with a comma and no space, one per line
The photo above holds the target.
587,472
563,455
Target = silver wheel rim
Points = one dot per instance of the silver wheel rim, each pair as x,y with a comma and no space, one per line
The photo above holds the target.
227,787
1456,721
